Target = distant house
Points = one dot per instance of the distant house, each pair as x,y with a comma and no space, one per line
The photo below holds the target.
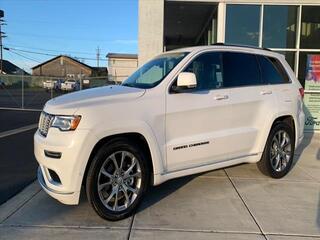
11,69
120,65
67,67
99,71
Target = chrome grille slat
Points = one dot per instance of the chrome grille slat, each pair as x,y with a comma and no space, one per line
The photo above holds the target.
45,123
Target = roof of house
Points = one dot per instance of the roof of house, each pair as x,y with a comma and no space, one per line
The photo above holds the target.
10,68
71,58
122,55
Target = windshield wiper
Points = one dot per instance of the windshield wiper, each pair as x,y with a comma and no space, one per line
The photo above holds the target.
126,85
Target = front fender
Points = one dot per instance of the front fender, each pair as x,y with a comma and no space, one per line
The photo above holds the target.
122,127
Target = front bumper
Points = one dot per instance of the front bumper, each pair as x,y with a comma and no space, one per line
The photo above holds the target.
75,148
71,198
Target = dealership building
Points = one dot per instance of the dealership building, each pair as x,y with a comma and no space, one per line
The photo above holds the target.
290,27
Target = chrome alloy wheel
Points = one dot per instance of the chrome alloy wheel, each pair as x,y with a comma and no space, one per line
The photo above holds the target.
280,151
119,181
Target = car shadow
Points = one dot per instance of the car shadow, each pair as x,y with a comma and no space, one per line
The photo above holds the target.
307,140
308,135
318,214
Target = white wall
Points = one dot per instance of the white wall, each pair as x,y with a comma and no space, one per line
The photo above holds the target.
151,22
150,29
121,68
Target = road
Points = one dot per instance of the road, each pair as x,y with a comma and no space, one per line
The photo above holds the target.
17,163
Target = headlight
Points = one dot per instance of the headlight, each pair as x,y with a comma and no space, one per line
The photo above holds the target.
66,123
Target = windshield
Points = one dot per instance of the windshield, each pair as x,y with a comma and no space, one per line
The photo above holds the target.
154,71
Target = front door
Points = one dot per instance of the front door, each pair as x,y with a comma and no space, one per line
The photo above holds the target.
197,122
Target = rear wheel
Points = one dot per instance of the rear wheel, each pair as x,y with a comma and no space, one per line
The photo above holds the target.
278,154
117,179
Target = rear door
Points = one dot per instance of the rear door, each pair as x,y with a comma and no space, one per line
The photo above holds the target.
278,80
251,101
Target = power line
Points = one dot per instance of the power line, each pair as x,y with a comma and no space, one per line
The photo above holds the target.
49,50
50,54
21,55
55,55
27,51
22,61
60,37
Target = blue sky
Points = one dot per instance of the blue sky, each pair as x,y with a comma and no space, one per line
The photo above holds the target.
72,27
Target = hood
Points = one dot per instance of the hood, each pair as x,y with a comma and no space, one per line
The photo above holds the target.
70,103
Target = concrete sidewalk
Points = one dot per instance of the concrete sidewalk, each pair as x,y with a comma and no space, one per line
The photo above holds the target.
233,203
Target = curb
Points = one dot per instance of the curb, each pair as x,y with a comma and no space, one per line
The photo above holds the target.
15,203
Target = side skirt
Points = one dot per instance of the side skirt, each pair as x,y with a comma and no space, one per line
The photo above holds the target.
161,178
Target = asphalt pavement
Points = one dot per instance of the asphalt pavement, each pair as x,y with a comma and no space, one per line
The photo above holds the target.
236,203
17,162
13,119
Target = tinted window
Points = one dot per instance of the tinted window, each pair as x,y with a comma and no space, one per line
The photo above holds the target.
279,26
310,27
207,68
240,69
271,70
242,24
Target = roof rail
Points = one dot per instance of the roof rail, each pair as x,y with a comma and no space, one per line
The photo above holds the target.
239,45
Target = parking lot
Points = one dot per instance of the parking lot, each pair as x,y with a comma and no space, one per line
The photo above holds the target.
32,95
32,98
17,163
233,203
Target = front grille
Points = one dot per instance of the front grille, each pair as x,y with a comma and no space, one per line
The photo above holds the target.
45,123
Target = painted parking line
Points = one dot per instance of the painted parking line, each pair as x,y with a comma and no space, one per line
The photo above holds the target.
18,130
21,109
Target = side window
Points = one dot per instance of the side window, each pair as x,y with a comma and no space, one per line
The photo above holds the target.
272,71
240,69
208,70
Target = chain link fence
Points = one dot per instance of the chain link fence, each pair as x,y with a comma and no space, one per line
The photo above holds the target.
32,92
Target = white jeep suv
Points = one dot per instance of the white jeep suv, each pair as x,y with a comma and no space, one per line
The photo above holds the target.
186,111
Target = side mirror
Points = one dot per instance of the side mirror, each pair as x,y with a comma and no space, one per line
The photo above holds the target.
186,81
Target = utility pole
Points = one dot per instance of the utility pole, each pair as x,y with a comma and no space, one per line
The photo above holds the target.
2,22
22,89
80,79
98,56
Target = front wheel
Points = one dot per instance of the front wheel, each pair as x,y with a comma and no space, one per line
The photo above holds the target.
117,179
278,154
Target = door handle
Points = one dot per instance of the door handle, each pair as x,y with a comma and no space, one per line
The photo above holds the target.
221,97
266,92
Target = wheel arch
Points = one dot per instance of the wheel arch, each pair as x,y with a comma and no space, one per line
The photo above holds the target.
138,137
287,118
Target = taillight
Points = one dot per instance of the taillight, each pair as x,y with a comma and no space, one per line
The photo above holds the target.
301,91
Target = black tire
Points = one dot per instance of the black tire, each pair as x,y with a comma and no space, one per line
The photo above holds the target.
108,149
265,164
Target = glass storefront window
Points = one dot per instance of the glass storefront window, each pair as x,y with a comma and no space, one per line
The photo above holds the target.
279,26
279,30
242,24
303,65
290,58
310,27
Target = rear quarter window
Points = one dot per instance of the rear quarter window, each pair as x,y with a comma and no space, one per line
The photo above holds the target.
272,71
